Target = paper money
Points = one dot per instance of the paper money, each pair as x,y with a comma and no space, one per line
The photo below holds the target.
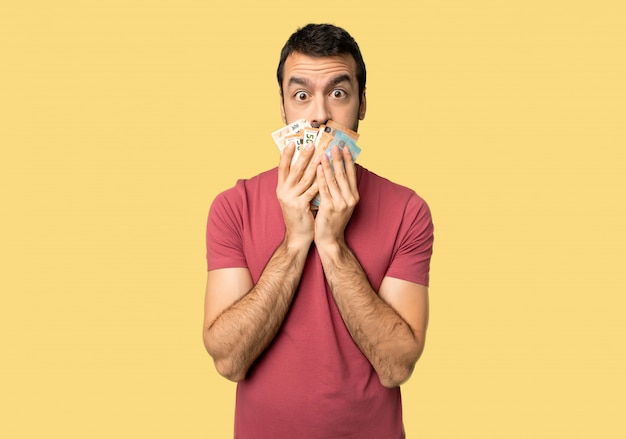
323,138
309,135
291,133
334,134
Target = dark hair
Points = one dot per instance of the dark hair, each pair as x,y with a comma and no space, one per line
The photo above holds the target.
319,40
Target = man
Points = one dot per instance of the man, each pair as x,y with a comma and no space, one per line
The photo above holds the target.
318,315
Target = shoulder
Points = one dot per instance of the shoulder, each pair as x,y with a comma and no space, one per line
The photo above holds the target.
247,187
391,230
383,191
249,198
393,205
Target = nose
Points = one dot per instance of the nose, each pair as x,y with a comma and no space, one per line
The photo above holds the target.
320,113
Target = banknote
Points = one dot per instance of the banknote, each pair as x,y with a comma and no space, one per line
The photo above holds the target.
323,138
309,135
332,126
332,134
291,133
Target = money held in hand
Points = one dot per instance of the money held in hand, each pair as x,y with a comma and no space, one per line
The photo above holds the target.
300,133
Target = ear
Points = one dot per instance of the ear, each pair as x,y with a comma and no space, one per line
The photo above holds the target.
363,107
282,106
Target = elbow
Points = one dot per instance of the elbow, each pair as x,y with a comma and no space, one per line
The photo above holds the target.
397,377
226,369
402,370
224,362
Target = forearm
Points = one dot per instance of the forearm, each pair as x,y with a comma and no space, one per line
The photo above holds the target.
380,333
242,332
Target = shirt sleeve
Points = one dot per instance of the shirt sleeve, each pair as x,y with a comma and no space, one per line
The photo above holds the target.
224,232
411,258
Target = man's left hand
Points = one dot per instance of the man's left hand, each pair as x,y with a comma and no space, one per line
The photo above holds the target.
339,196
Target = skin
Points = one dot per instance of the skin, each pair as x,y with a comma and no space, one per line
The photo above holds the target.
241,318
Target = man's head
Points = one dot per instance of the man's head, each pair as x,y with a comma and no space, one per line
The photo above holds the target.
321,75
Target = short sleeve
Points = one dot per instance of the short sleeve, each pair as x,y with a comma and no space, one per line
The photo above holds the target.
224,232
411,258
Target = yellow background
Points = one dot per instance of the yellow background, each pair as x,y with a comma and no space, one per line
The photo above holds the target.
121,120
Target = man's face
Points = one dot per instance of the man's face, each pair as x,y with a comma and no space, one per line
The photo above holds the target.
320,89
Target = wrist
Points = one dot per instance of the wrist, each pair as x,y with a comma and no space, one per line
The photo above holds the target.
294,244
332,250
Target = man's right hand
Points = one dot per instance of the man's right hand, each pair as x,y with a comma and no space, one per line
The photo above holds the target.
241,318
295,189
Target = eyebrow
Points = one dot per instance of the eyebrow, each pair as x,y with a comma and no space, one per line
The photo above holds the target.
339,79
305,82
299,81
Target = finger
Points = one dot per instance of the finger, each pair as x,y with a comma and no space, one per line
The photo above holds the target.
338,165
308,173
329,178
299,168
350,168
322,186
311,192
284,164
305,155
339,169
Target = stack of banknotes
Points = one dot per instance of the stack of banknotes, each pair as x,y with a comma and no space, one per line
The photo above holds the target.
323,138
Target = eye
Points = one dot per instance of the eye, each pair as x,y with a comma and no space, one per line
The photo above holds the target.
338,93
301,96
